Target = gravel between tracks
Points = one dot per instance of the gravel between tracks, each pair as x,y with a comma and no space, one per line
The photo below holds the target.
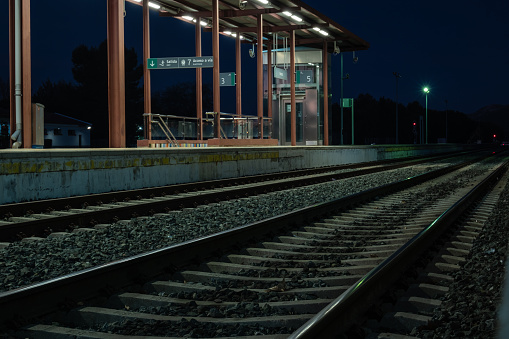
469,309
24,263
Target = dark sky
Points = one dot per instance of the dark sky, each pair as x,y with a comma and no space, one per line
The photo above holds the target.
459,48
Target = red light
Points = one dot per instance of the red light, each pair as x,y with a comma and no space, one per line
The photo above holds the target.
414,123
494,135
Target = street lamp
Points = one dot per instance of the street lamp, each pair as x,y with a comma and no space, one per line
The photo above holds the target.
397,75
426,90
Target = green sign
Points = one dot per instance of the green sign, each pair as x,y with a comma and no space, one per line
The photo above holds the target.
180,62
227,79
304,77
347,102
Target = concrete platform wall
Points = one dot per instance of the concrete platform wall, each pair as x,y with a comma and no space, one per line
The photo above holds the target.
27,175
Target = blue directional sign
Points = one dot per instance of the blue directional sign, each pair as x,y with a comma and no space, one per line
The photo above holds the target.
180,62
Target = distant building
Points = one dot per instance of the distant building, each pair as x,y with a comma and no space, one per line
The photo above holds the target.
64,131
60,131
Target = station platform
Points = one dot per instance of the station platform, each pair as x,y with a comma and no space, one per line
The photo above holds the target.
34,174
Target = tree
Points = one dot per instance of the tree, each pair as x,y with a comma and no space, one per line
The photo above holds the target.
180,100
4,94
57,97
90,71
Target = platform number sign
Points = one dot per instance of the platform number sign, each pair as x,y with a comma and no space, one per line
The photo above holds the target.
305,77
227,79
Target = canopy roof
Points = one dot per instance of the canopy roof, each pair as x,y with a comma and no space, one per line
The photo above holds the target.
279,17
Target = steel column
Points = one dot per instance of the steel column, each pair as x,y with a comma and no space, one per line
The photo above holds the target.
238,76
147,97
259,69
199,84
292,89
269,86
325,76
11,70
116,73
26,66
215,55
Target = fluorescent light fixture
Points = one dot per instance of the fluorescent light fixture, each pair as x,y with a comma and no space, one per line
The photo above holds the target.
188,17
203,23
153,5
316,29
264,1
234,34
310,63
287,13
324,33
137,0
296,18
241,37
227,32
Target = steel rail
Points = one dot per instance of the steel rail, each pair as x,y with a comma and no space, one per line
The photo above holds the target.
40,206
343,312
66,291
88,218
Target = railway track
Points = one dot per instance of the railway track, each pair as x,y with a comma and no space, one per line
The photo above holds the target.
41,218
268,277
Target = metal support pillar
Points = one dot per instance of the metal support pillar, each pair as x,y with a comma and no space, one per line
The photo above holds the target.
12,84
24,102
341,99
292,89
238,76
215,55
26,66
259,69
199,84
116,74
325,75
147,95
269,85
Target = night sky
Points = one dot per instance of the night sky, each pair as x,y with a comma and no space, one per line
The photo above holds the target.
459,49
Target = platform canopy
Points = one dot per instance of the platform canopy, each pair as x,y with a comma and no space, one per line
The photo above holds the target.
279,17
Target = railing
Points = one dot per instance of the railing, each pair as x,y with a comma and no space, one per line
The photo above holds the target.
232,126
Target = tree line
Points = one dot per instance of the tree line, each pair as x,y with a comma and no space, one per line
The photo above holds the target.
375,123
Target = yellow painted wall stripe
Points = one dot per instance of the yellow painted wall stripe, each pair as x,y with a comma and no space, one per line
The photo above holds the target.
80,163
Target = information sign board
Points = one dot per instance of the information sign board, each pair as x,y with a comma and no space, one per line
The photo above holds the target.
280,73
180,62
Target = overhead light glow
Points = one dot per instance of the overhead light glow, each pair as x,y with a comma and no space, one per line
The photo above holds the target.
287,13
203,23
296,18
137,0
153,5
187,17
264,1
324,33
316,29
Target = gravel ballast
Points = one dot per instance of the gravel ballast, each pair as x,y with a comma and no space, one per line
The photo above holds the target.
24,263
